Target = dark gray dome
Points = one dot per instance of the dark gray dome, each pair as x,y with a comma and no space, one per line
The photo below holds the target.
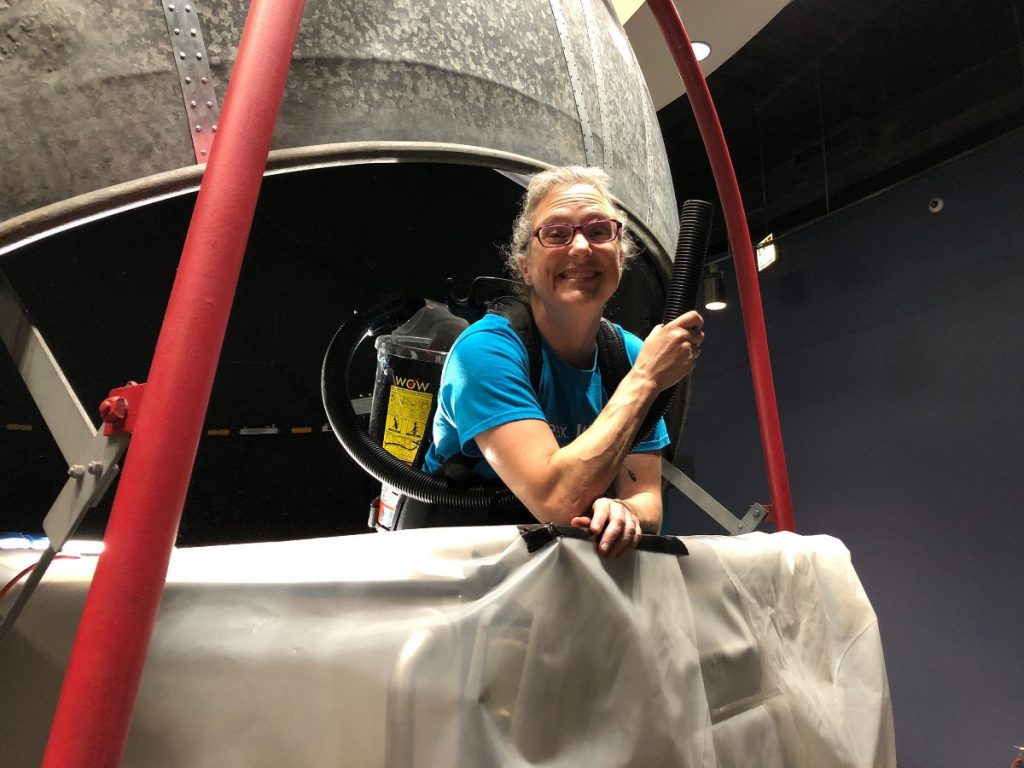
93,117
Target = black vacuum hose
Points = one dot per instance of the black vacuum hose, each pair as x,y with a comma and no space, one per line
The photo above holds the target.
691,246
364,449
694,231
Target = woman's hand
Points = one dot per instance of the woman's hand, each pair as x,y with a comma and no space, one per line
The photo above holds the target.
670,350
614,524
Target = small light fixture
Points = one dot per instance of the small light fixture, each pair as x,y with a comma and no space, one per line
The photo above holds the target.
714,289
700,49
766,253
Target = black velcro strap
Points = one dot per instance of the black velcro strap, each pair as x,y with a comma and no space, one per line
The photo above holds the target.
520,317
537,536
612,359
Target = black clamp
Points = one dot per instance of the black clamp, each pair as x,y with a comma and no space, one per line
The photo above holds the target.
537,536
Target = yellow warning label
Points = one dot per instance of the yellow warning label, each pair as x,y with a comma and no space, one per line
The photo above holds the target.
408,411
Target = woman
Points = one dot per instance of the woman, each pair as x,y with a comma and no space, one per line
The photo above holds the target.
560,449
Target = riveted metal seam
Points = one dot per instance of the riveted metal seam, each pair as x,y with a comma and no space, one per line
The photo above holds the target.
649,149
193,65
602,96
574,81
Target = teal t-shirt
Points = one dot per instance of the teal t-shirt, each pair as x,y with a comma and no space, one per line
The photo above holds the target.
486,382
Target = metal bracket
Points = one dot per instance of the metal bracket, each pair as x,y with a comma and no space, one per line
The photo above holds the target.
712,507
121,409
753,518
201,108
87,482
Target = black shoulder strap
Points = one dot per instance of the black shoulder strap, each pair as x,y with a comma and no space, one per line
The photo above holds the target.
612,359
520,317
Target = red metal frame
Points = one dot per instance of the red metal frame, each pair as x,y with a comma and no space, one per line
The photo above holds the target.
742,253
95,706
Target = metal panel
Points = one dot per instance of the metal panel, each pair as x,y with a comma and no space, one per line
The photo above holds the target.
193,63
90,99
92,96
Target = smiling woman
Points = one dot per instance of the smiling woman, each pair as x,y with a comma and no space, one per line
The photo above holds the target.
564,267
565,449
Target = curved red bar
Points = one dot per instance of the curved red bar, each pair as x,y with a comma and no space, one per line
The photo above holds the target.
743,255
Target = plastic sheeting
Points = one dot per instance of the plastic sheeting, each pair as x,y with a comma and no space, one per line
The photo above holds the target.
457,647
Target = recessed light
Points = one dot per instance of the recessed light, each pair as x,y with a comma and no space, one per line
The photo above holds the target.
700,50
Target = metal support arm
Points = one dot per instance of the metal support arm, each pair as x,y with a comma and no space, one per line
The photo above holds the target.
685,485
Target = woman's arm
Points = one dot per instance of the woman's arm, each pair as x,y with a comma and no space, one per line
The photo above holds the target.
558,484
618,523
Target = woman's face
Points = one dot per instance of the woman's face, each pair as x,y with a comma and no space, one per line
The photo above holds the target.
580,272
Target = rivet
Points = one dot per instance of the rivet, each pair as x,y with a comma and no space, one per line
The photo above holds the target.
177,31
188,8
188,80
209,105
192,104
199,55
76,470
199,129
181,54
192,32
214,129
170,7
202,152
203,81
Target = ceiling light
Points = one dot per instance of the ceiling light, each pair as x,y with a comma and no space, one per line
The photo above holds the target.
700,49
766,253
714,289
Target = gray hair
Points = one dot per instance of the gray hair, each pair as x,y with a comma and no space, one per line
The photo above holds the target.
540,185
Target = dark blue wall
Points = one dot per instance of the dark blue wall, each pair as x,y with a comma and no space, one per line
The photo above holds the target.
896,344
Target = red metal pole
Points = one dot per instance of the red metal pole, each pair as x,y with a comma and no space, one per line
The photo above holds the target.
95,706
742,253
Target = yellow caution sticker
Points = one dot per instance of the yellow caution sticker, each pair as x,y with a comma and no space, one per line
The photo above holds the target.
408,411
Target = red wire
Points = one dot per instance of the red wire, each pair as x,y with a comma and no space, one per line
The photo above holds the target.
10,584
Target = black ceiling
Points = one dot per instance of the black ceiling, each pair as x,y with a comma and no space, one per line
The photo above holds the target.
837,99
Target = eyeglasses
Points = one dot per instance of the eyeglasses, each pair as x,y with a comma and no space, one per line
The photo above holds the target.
596,231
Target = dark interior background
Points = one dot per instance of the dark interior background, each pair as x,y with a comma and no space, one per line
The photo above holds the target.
323,243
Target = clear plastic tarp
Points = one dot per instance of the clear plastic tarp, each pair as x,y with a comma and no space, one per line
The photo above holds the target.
458,647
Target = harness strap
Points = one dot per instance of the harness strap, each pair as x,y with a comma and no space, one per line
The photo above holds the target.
613,364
